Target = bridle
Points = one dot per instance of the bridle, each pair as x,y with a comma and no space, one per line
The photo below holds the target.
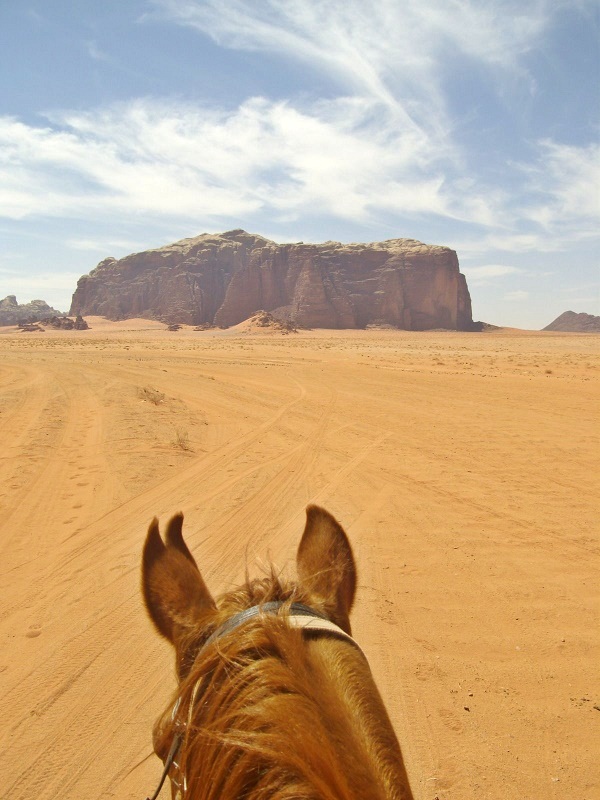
299,616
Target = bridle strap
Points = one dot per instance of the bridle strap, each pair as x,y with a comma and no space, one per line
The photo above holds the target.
271,607
175,745
300,617
321,624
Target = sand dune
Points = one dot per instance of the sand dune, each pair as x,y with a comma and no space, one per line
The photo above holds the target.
463,466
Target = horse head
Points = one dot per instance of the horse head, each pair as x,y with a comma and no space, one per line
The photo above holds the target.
274,698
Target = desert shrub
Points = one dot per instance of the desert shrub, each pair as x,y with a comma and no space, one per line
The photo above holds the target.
150,395
182,440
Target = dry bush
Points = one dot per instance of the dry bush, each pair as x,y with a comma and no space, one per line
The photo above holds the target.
182,440
150,395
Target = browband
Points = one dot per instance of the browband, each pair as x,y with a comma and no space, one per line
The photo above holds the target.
300,616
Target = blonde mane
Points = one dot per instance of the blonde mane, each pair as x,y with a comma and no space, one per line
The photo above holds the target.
273,714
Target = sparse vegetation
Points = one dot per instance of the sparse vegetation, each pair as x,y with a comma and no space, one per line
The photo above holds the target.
150,395
182,440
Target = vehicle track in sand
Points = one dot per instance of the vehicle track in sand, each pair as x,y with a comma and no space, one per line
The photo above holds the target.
469,515
85,555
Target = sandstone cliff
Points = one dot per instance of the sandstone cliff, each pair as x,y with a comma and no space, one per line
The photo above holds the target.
575,323
223,279
11,312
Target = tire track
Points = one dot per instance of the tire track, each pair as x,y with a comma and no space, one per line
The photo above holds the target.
395,653
82,675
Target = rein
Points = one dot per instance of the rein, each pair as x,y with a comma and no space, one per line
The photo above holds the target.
300,616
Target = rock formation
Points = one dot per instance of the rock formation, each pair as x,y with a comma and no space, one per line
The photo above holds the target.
11,313
223,279
58,323
575,323
66,323
263,320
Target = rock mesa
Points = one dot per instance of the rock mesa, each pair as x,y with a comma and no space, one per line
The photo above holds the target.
223,279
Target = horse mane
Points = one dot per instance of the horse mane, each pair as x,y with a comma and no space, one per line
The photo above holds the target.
265,719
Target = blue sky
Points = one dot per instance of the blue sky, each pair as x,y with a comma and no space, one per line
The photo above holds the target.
128,124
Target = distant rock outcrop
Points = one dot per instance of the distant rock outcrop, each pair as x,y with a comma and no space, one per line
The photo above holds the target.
263,320
223,279
58,323
570,322
11,313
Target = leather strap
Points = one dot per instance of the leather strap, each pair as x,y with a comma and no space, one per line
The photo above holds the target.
300,616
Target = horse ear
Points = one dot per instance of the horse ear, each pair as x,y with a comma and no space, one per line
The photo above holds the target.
174,591
174,537
326,565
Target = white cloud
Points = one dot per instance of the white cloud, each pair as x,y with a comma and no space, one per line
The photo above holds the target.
387,148
514,242
395,59
389,51
519,296
56,280
104,245
348,158
344,157
96,53
585,302
487,273
35,16
568,179
53,287
555,204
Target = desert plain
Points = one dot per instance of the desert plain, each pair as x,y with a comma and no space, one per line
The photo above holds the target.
464,467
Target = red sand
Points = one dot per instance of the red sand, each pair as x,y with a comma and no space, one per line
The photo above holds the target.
463,466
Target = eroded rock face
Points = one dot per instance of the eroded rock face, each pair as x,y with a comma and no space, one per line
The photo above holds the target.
572,322
11,312
223,279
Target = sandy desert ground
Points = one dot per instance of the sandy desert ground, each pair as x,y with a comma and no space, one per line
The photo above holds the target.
463,466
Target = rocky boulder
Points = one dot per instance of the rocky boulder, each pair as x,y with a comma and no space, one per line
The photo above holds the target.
265,321
223,279
58,323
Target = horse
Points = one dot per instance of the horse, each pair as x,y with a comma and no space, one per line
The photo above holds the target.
275,699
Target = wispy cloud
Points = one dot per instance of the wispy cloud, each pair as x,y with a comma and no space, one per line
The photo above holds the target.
35,16
54,287
396,59
488,273
104,245
391,52
519,295
345,158
448,120
386,147
568,180
56,280
338,157
96,53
